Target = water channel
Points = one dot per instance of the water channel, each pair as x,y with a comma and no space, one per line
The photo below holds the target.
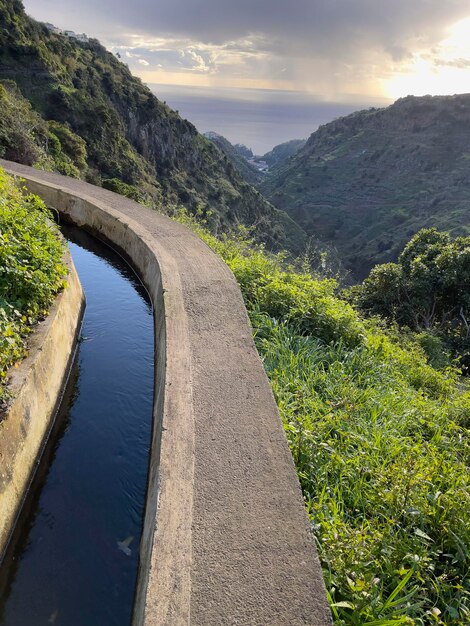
74,556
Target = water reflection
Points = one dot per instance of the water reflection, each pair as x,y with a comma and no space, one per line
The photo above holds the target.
75,553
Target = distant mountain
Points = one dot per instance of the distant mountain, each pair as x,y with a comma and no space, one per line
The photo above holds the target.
244,161
367,182
244,151
99,122
279,154
236,156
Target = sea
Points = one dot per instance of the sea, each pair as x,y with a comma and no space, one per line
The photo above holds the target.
258,118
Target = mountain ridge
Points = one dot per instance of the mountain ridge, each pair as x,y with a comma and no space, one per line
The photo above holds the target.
235,156
367,182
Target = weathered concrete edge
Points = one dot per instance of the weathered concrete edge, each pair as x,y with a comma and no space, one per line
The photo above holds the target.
168,518
36,386
267,555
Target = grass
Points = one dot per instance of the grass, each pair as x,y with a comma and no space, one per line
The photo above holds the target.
382,464
379,439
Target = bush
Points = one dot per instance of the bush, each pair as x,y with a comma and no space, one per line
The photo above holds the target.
68,150
31,269
118,186
428,290
23,134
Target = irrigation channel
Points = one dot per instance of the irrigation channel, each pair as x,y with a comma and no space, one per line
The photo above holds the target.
74,557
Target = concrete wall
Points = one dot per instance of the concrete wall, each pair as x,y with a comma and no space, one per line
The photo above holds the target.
226,538
36,387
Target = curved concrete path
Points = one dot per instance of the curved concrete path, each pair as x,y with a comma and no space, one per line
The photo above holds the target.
226,537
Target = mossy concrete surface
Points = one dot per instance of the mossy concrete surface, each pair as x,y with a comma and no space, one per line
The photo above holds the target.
226,537
36,387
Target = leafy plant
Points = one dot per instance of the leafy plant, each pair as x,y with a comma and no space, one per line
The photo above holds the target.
428,290
31,270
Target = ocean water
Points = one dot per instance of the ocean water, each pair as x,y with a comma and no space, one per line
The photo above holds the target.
259,118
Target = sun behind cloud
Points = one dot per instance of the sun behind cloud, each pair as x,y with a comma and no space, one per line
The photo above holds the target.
442,70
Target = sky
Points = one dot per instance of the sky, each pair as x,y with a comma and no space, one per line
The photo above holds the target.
350,52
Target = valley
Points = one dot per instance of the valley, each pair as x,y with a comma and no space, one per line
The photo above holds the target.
336,268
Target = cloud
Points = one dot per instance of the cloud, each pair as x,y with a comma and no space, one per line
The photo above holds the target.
314,44
333,27
458,63
143,62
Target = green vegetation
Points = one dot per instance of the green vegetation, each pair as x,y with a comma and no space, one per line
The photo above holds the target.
368,182
428,291
103,124
237,156
379,436
281,153
26,138
31,270
380,440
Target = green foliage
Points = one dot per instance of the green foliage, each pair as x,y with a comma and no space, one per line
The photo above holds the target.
380,440
434,348
368,181
31,269
130,191
427,290
23,134
68,150
381,460
26,138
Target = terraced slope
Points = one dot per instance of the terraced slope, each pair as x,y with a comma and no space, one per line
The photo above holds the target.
367,182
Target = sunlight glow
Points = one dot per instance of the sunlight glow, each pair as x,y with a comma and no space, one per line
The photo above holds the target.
443,70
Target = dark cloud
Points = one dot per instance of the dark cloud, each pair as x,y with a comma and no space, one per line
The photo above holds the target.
283,36
329,26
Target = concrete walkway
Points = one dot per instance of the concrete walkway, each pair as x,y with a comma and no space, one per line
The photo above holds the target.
226,537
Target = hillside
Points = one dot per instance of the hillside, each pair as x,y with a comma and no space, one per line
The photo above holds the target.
239,154
235,156
280,154
134,143
369,181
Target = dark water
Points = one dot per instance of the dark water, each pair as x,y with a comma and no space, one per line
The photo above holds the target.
67,567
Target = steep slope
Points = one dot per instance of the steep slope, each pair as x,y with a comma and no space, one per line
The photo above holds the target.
279,155
25,137
367,182
243,150
248,171
134,143
239,154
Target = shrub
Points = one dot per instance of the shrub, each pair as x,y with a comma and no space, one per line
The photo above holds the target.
31,269
428,290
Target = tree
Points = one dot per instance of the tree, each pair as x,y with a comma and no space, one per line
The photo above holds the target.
427,289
